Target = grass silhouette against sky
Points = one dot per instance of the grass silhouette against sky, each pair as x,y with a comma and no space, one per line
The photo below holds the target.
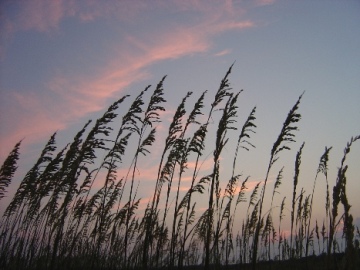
65,62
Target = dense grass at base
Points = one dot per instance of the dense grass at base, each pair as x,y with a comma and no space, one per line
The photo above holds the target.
59,217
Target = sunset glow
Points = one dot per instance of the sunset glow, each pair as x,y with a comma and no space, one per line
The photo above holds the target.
63,62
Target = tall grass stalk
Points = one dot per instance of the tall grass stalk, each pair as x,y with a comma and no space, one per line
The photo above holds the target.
286,136
323,167
339,194
8,169
78,207
293,201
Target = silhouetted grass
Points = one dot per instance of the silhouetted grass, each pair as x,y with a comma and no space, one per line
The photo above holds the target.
59,219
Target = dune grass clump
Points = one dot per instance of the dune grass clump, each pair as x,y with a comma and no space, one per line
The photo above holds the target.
79,208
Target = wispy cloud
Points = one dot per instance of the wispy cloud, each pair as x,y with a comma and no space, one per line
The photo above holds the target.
223,52
234,25
80,94
41,15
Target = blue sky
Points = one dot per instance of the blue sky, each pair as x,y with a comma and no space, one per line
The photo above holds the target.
63,62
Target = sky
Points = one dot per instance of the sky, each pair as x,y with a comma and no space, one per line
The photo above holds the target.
63,62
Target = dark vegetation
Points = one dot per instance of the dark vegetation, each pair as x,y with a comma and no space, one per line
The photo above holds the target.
58,219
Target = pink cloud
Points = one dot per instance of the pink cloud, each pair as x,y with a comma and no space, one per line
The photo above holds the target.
42,15
45,16
223,52
250,185
28,120
231,25
81,94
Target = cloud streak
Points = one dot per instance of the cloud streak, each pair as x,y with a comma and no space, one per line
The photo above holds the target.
223,52
81,94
